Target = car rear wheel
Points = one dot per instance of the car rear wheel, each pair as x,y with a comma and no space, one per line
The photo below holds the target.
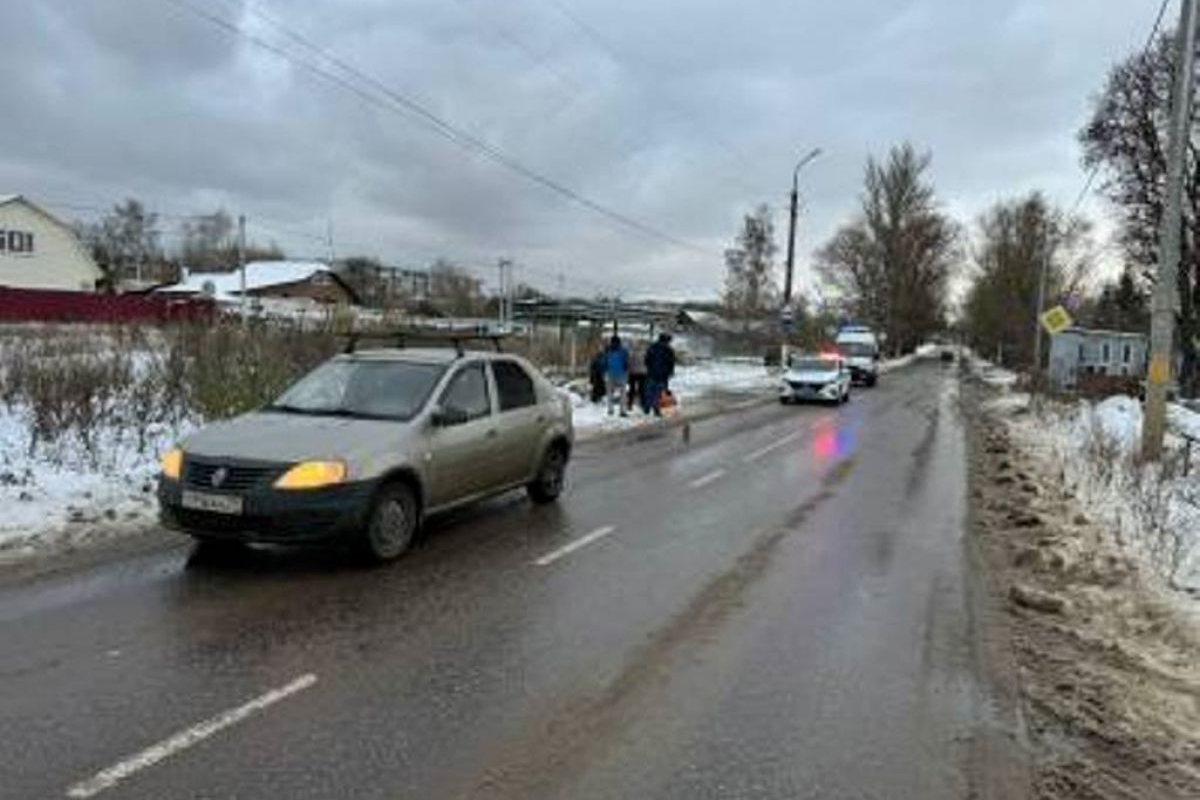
551,476
393,523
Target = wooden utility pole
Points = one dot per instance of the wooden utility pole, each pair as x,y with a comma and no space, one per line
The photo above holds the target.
1162,317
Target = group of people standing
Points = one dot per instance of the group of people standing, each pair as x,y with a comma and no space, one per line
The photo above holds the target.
630,379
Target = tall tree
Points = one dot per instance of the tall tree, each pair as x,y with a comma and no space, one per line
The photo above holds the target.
894,260
210,244
1126,136
1016,238
125,241
1122,305
750,287
454,290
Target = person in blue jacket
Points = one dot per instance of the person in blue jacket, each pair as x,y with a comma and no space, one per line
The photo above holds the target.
660,368
616,374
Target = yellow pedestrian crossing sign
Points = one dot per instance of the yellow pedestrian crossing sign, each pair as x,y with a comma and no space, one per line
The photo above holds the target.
1056,320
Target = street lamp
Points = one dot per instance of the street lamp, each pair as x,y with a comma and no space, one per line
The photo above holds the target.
791,251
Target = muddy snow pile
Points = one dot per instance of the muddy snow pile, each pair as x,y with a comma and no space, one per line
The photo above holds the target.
1083,564
1152,509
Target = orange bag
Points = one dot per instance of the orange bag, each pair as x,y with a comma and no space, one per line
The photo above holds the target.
667,404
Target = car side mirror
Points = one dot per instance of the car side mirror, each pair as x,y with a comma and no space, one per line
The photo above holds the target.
447,417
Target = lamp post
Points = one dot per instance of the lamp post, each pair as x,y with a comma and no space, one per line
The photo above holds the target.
788,316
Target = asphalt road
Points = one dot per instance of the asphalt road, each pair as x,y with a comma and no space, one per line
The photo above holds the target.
779,608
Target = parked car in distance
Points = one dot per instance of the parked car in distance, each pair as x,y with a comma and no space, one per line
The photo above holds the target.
823,377
366,446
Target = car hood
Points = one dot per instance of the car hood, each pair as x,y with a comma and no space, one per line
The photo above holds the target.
812,376
276,436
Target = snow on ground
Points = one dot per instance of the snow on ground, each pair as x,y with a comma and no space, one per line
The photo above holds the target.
692,385
61,496
1154,516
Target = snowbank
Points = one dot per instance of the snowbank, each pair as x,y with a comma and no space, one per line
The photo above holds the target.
62,496
691,385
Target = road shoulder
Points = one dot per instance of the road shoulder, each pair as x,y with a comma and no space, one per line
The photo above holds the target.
1106,680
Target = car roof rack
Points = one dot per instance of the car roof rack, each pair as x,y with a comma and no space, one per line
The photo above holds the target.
422,337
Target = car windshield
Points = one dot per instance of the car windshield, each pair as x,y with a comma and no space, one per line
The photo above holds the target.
369,389
857,348
813,364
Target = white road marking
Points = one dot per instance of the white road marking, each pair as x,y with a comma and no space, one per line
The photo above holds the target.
110,777
705,480
771,448
571,547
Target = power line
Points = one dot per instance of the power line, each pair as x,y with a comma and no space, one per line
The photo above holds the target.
414,110
617,58
1095,170
543,62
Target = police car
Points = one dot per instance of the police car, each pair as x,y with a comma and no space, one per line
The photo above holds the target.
821,377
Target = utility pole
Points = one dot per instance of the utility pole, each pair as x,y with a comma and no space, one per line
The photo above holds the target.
1162,317
505,266
1041,305
791,252
241,255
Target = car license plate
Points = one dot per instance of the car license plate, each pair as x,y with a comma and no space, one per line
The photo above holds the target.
216,503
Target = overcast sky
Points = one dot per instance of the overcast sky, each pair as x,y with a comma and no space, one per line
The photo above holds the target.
679,114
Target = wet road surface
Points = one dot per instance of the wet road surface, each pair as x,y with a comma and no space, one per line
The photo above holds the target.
778,609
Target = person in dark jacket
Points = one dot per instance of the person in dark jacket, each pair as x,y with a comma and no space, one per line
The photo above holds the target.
637,379
596,371
660,368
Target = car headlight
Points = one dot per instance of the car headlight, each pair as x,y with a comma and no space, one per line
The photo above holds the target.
171,463
312,475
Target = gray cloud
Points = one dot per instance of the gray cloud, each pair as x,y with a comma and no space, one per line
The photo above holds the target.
699,116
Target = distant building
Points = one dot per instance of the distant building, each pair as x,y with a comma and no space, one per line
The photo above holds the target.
1079,352
40,251
273,287
404,282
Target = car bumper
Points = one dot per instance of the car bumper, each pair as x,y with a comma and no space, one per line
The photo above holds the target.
270,515
804,393
861,375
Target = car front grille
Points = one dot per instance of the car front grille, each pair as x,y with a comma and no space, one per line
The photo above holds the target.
236,477
811,387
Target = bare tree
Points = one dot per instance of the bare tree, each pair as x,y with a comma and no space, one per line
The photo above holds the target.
454,290
124,241
893,262
750,288
1016,238
1126,135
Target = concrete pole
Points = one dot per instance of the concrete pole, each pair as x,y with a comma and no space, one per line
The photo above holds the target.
243,301
1162,317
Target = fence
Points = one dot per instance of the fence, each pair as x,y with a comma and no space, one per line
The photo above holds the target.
44,305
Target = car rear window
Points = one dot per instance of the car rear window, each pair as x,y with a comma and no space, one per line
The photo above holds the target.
513,385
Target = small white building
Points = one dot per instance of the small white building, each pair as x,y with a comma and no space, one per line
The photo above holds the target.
1082,351
40,251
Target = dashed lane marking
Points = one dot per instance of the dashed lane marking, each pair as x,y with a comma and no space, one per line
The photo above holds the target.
571,547
771,448
705,480
108,778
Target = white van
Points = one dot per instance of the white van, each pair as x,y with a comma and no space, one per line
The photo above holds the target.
860,346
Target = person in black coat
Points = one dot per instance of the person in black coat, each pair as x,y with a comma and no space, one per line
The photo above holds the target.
660,368
596,371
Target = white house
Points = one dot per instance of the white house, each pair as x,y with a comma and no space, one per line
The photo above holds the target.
40,251
1083,351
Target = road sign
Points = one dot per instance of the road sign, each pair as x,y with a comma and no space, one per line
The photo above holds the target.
1056,320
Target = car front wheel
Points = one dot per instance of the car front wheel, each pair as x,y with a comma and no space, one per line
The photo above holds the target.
393,523
548,484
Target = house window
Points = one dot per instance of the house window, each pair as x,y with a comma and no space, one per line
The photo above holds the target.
1106,353
1127,355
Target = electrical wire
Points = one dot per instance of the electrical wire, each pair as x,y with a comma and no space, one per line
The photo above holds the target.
414,110
1095,170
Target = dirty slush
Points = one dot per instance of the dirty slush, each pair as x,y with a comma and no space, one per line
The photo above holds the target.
1108,676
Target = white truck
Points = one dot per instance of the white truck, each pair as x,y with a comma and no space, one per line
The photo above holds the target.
860,346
